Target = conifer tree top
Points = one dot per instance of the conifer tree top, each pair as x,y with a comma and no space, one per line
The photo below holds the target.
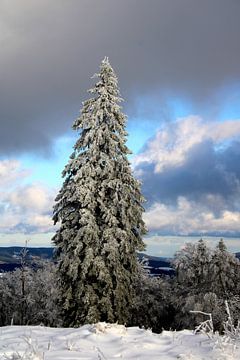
107,92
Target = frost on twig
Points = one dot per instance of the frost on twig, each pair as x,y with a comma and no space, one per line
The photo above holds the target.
230,330
205,327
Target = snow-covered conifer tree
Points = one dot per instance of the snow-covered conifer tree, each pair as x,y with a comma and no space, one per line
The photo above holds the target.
192,265
99,208
225,271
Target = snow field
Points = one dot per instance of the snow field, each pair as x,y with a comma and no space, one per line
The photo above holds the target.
104,342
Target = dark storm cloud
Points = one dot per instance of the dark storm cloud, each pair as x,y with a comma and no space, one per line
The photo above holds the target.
49,49
205,172
230,158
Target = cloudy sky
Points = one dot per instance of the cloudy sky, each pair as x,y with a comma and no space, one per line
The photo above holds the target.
179,73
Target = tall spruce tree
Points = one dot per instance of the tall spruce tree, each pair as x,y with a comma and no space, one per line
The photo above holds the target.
99,208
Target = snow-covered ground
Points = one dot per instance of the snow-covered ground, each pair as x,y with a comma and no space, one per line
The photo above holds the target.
103,341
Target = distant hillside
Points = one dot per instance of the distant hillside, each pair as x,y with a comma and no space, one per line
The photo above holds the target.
155,260
10,259
9,267
11,254
157,265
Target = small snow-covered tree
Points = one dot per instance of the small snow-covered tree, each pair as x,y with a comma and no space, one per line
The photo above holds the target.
99,208
192,265
193,280
225,271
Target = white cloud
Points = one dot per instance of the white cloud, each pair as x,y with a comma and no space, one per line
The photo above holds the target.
201,198
172,143
225,130
162,245
10,172
42,222
189,217
23,207
32,197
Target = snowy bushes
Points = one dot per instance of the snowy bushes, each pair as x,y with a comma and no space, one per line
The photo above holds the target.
28,296
205,279
230,338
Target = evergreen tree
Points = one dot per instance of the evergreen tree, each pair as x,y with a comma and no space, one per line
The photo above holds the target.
225,271
99,208
192,265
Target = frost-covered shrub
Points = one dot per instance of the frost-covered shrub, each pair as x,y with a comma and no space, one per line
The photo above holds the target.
42,296
229,339
207,303
29,296
205,279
